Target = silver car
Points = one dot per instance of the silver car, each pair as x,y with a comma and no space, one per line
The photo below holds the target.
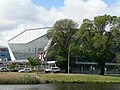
4,69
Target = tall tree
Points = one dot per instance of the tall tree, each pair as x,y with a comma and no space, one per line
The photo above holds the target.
62,33
98,39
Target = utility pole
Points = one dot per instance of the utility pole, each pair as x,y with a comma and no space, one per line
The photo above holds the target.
68,60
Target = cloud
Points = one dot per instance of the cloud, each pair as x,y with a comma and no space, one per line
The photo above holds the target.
80,9
15,12
18,15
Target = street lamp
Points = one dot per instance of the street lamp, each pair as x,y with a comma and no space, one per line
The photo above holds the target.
68,60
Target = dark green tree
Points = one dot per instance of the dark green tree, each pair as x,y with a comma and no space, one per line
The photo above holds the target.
98,41
118,57
62,33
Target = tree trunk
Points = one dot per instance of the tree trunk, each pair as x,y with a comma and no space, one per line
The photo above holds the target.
102,68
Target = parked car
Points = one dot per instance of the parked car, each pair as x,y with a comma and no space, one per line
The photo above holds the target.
4,69
16,69
25,70
53,70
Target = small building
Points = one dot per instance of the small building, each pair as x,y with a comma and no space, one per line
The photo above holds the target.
78,65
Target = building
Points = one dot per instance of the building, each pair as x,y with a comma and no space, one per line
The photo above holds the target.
6,54
29,43
79,65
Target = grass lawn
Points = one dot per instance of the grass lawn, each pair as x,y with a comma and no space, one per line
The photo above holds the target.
79,78
37,78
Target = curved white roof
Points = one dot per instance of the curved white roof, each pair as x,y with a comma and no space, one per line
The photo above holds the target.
28,35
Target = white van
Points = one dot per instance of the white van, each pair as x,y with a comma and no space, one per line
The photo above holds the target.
53,70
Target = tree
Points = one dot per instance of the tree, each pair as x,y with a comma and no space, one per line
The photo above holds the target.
98,39
11,66
118,57
62,34
33,62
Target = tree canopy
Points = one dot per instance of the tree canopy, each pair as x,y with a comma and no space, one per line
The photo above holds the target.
97,39
62,33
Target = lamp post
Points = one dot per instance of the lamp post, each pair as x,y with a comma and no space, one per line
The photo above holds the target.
68,60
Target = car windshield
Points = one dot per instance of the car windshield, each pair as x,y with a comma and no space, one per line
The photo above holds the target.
3,68
55,68
20,68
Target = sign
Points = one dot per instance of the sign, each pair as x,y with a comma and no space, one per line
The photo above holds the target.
40,56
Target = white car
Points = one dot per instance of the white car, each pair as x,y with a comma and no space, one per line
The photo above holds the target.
53,70
25,70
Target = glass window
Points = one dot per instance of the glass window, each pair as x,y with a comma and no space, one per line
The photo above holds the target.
4,54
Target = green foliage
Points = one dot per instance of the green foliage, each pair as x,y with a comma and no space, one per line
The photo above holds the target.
118,57
74,50
34,62
51,54
61,59
98,43
61,62
11,66
97,40
62,32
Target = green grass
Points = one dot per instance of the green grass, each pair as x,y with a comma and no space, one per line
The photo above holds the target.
37,78
79,78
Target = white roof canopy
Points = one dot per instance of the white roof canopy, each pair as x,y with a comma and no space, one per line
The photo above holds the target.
29,35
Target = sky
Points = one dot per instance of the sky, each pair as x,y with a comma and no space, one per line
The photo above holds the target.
49,3
60,3
19,15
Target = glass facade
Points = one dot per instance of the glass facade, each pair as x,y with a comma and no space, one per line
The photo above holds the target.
4,54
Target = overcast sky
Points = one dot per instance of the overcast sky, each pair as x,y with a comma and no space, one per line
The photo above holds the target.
18,15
